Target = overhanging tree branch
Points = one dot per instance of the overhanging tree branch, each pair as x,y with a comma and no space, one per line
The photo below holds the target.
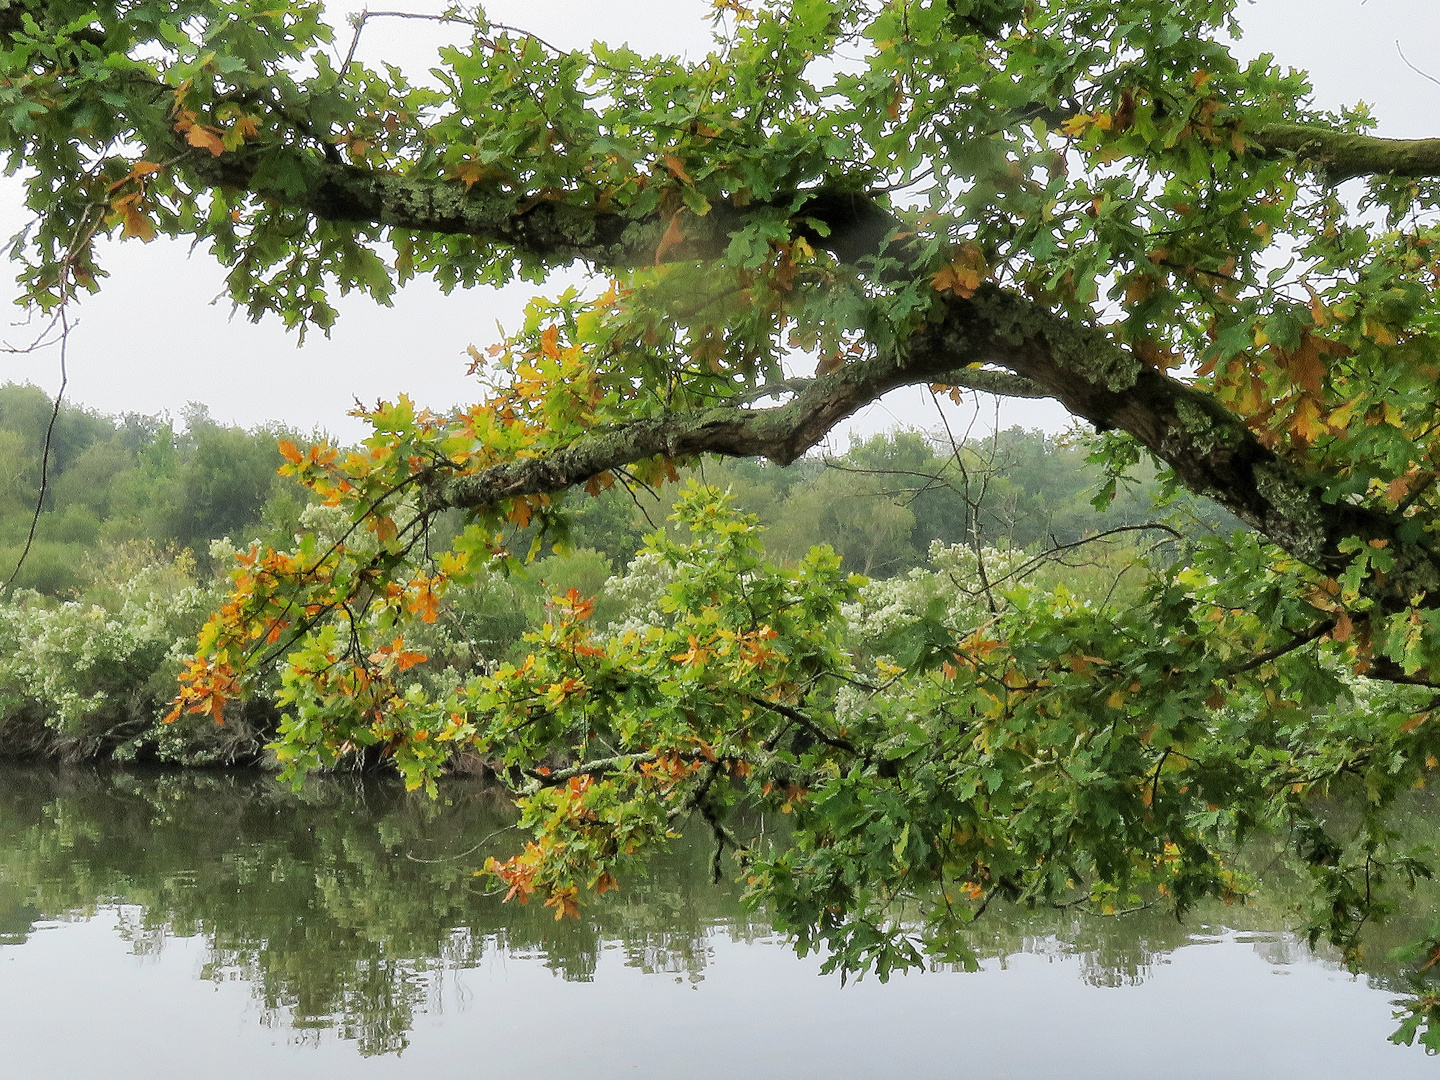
1344,155
1211,450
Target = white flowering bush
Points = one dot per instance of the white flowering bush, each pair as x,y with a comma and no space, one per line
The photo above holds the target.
93,676
637,596
949,587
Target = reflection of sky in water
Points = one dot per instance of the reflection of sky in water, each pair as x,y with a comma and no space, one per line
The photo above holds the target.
79,1002
207,925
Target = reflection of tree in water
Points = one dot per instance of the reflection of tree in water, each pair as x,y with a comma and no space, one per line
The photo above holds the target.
339,904
344,904
1126,949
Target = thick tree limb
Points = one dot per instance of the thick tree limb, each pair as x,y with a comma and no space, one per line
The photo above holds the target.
999,383
1343,155
781,433
1040,354
1210,449
856,224
559,231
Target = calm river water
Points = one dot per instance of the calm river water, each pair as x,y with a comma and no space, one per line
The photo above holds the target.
167,925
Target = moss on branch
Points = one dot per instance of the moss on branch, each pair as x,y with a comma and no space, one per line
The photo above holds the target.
1343,155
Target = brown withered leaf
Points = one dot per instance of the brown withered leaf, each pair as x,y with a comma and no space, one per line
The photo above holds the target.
677,169
672,236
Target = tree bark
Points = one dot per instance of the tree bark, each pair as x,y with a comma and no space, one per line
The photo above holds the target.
1211,450
1341,155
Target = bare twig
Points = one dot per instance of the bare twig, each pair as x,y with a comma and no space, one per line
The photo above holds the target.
89,222
804,721
45,454
1412,67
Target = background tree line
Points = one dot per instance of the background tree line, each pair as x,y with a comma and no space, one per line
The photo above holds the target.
117,480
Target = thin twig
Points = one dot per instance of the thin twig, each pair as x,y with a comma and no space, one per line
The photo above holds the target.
1412,67
804,721
1319,630
85,232
469,851
45,454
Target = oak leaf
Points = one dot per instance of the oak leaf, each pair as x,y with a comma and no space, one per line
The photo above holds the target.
672,236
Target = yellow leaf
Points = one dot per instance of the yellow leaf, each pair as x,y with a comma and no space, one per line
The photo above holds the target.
1378,332
1340,418
1305,422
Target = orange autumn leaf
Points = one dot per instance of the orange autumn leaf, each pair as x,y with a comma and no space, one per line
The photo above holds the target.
578,605
677,169
1397,489
206,138
565,905
138,224
961,280
672,236
964,273
425,603
1414,722
601,482
695,656
1306,364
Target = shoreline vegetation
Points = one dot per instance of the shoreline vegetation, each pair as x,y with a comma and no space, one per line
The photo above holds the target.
143,516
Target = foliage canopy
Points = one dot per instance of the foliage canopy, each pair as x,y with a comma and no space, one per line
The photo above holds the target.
1089,200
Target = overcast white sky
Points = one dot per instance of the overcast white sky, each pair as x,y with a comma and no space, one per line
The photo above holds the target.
153,340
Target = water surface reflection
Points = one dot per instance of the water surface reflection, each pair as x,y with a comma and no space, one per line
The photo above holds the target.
221,922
